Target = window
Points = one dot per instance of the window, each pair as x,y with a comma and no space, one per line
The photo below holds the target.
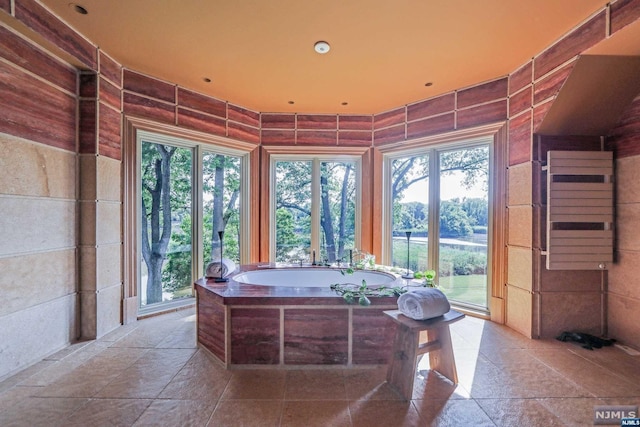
438,216
187,193
315,208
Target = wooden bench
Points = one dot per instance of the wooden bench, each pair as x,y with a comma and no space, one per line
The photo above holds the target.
407,347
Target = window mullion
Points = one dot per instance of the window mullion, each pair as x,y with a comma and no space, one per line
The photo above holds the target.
197,212
434,209
315,207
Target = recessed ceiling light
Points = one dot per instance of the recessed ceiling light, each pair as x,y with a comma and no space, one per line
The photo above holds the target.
321,47
206,80
345,103
291,102
80,9
428,84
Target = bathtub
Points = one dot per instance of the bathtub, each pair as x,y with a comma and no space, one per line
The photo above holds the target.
289,316
303,277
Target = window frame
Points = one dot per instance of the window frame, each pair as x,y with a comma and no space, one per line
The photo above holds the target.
433,145
315,159
135,131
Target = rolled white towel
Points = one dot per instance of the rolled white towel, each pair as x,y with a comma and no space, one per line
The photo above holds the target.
422,304
217,269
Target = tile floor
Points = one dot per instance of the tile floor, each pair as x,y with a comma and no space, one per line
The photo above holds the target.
152,374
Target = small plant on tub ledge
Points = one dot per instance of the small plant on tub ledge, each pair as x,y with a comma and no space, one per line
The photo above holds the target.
429,277
352,292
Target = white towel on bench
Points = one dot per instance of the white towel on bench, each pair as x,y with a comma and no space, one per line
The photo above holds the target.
421,304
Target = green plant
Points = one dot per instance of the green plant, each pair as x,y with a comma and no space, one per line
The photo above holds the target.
351,292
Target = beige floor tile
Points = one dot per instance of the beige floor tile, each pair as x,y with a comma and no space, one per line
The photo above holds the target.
179,413
575,412
247,413
316,414
431,385
368,384
315,385
40,411
200,379
108,412
256,384
454,412
384,413
519,412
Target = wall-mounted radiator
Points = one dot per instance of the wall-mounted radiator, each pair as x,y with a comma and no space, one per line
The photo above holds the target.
579,210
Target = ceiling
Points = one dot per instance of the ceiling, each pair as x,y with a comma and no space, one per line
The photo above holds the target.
259,54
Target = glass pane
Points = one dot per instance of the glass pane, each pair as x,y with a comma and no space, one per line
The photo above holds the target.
464,220
166,270
293,210
410,204
337,210
221,207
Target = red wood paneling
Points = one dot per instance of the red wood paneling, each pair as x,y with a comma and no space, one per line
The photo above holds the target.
5,5
110,94
316,336
389,118
35,110
278,137
431,126
148,86
583,37
348,122
211,324
202,122
538,114
202,103
551,85
244,116
278,121
355,138
51,28
483,93
317,137
110,69
431,107
373,335
317,121
88,131
109,132
520,101
520,139
521,77
140,106
623,13
255,336
22,53
389,135
482,114
243,133
88,85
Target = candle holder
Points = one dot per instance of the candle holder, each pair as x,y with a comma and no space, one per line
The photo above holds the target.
408,275
221,278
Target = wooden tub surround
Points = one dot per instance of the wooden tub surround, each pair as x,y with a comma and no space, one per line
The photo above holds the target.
245,325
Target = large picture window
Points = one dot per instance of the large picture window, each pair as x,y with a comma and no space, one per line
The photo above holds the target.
188,192
440,194
315,208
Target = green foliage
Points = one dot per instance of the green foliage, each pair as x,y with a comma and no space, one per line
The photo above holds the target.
454,221
361,293
462,262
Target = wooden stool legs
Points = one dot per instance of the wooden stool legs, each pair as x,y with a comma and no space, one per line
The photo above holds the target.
407,347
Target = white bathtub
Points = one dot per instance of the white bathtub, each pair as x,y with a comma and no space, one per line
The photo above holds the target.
312,277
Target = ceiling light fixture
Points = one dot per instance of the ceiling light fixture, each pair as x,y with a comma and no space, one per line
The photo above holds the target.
428,84
291,102
207,80
81,10
345,103
321,47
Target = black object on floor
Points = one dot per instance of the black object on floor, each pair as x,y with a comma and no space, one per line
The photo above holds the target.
588,341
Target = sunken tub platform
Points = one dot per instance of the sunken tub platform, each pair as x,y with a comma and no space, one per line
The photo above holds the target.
249,325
